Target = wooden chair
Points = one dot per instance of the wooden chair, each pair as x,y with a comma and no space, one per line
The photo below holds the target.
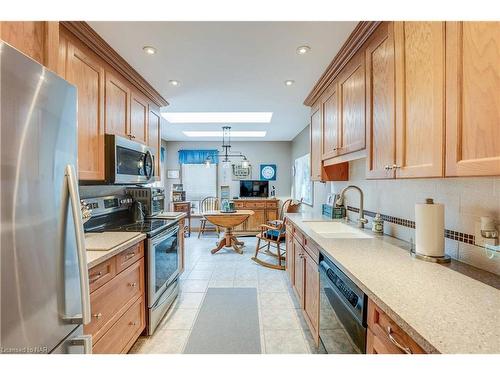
273,234
208,204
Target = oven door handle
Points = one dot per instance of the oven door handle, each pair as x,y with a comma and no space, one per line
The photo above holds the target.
170,233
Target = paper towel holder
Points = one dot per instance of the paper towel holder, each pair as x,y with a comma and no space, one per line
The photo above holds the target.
443,259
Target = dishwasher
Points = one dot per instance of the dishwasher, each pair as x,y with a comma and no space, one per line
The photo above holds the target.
343,298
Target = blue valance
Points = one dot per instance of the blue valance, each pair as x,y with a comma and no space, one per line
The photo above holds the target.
198,156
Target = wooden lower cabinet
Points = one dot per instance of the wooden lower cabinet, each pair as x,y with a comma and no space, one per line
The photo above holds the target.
121,337
254,221
302,268
298,276
384,336
264,210
289,253
311,295
117,301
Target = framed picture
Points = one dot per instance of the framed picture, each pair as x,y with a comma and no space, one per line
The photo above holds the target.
240,173
268,172
173,173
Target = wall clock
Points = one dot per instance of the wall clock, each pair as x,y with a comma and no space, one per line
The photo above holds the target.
268,172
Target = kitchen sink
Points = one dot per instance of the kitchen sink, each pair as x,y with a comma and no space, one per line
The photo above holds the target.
335,229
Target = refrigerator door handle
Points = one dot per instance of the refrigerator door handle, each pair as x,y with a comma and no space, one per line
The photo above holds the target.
80,242
83,340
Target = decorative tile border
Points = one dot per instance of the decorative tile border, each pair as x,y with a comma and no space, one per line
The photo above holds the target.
450,234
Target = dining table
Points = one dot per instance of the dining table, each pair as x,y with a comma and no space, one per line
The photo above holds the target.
228,221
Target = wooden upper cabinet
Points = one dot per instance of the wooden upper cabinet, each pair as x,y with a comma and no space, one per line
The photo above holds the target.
85,72
315,138
473,99
330,126
37,39
420,68
352,105
138,118
117,109
154,137
380,103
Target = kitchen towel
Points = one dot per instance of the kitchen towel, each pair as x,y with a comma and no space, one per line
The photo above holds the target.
429,228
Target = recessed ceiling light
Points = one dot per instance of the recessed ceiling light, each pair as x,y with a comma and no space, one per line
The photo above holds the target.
217,117
302,50
289,82
149,50
218,133
174,82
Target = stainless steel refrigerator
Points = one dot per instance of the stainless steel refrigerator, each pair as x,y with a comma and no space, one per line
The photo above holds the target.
44,280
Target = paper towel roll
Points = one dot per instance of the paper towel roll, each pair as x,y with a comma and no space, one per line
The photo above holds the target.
429,223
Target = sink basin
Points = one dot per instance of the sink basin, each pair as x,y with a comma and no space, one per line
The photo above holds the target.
334,229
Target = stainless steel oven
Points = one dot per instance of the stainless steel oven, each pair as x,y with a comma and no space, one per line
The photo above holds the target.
345,301
164,269
127,162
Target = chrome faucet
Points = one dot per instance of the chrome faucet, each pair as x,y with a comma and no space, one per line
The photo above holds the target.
361,221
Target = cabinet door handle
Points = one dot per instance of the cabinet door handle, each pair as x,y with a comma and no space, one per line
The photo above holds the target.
133,285
96,277
97,316
405,349
133,323
129,255
395,166
388,167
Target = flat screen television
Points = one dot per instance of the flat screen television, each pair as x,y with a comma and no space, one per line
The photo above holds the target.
254,188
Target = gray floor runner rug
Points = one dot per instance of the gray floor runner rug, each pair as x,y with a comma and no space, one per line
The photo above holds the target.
227,323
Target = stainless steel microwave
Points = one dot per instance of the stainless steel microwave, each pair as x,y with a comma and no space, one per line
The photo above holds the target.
127,162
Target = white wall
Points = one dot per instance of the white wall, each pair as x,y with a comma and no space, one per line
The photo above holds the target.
465,199
278,153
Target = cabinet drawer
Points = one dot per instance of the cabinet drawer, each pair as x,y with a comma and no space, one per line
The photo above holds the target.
123,333
108,302
239,205
311,249
389,335
129,256
299,237
101,274
251,205
272,204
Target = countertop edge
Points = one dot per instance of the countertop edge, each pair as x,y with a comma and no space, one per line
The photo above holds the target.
105,255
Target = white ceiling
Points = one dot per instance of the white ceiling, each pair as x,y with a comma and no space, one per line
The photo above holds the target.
230,66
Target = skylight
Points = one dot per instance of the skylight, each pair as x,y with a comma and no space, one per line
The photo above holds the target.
218,133
217,117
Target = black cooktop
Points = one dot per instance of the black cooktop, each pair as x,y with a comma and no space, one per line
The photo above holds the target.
150,226
123,223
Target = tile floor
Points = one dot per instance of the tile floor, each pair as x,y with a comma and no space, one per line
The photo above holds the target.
282,327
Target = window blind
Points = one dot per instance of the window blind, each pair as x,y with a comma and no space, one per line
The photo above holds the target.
199,181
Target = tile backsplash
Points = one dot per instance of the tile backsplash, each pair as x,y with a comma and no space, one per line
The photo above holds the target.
466,200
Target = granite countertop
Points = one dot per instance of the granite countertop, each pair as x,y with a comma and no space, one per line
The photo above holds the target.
445,308
95,257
